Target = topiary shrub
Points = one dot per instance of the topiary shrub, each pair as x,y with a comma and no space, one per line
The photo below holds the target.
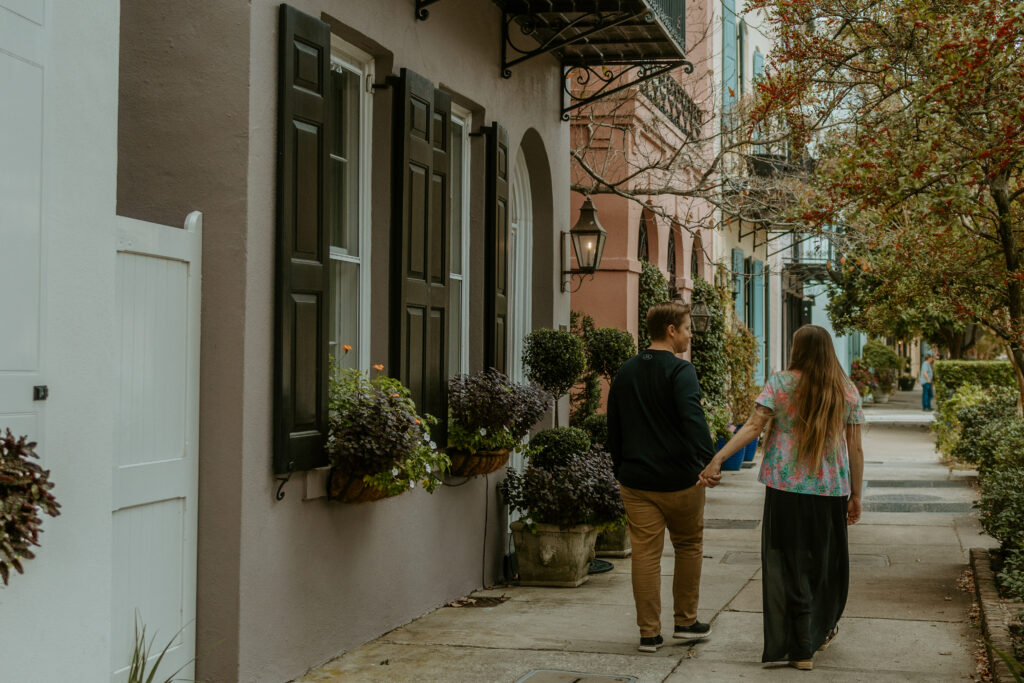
596,426
952,374
653,290
607,349
554,359
884,362
558,447
24,497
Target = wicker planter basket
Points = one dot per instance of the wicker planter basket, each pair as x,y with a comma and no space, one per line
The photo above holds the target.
466,464
345,488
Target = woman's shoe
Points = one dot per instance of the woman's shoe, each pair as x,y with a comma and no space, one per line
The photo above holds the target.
829,638
802,664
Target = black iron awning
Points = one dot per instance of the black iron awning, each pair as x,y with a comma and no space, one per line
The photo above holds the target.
604,46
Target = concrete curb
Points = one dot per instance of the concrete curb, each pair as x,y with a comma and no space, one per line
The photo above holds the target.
994,615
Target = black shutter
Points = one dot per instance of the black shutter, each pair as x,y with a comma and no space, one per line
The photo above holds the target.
496,246
421,219
301,306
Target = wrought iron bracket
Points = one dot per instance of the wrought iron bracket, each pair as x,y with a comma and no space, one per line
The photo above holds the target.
583,85
512,54
284,480
421,9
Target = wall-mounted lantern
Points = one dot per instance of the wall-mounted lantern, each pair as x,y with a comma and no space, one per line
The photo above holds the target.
700,317
587,238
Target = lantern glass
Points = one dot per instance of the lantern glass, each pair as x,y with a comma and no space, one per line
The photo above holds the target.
588,238
700,317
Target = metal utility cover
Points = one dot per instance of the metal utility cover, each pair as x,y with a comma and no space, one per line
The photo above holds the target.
555,676
731,523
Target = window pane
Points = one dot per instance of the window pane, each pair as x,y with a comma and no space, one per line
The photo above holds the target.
458,191
455,327
344,199
345,312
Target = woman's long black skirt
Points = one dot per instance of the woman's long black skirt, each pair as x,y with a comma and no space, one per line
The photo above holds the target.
805,570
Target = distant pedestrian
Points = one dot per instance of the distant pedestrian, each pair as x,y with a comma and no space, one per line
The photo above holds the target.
812,469
927,375
660,442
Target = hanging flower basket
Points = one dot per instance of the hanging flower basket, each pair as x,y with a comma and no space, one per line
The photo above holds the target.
467,464
346,488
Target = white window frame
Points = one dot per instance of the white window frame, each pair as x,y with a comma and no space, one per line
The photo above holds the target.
464,118
352,58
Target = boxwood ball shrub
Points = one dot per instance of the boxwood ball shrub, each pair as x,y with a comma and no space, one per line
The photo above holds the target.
952,374
24,497
596,426
554,359
607,349
558,447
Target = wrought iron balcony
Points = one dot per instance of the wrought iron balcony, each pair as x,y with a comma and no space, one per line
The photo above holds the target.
673,101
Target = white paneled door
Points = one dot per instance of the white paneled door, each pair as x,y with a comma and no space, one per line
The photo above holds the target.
156,443
22,57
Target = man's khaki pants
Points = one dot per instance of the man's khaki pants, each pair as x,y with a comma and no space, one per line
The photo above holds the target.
649,513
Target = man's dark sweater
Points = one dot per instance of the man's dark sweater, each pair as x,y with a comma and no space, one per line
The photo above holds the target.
657,434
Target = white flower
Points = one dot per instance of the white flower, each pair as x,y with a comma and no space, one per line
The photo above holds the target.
412,484
483,431
394,471
432,444
428,469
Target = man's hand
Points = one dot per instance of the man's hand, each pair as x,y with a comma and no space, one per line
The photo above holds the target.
710,476
853,510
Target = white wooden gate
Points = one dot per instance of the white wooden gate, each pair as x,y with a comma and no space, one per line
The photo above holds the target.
156,442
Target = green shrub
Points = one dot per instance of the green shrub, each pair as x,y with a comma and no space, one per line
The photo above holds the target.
1007,439
708,350
1002,506
743,351
952,374
982,425
653,290
607,349
584,398
596,426
1011,576
946,426
554,359
558,447
884,362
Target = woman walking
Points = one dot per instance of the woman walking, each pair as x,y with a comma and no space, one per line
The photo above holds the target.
812,469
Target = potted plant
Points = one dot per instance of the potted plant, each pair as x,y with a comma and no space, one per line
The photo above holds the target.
566,492
24,496
378,445
883,362
488,415
554,359
862,378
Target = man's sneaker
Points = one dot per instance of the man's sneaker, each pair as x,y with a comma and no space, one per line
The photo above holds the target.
695,631
650,644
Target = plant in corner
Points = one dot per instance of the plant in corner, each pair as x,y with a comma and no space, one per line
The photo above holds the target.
554,359
488,415
884,363
378,445
567,492
24,496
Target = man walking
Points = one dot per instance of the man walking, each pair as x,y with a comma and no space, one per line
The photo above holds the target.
927,375
660,442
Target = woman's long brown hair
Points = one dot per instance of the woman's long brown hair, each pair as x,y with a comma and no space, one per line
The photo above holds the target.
820,394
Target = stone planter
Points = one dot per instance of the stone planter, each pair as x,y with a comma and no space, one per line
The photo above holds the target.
614,543
881,398
552,556
466,464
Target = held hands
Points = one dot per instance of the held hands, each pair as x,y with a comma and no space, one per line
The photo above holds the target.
853,510
711,476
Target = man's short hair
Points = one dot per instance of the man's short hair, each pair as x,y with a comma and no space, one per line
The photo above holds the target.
660,316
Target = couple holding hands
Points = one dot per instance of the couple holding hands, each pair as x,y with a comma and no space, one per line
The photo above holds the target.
812,470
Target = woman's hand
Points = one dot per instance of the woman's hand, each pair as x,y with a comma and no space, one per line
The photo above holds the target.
711,476
853,510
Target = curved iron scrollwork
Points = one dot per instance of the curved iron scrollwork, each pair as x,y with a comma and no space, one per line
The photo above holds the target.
584,84
422,13
673,101
281,481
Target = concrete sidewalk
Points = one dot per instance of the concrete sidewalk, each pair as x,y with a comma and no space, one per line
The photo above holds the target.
905,619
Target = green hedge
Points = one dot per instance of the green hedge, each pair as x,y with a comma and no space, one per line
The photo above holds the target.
951,374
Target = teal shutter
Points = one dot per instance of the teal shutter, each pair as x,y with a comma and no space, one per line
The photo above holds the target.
730,49
768,326
738,284
757,311
758,65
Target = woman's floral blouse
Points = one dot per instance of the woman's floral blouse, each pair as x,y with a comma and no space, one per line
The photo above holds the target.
780,469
